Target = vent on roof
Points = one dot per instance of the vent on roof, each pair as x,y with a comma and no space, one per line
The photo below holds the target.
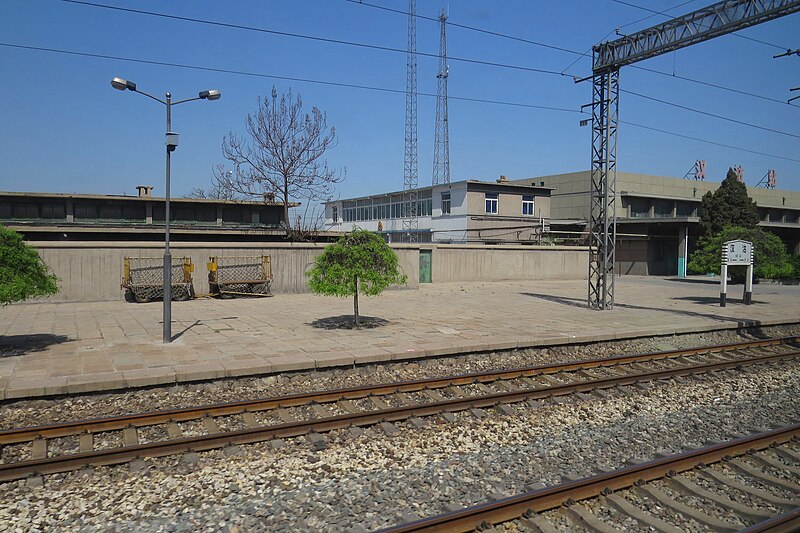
502,179
145,191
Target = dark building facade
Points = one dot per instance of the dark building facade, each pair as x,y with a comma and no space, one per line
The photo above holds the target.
84,217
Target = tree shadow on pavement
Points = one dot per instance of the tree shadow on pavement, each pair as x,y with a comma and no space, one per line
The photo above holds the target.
16,345
348,322
578,302
714,300
702,281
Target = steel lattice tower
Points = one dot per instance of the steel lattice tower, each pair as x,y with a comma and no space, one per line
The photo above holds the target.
410,175
441,144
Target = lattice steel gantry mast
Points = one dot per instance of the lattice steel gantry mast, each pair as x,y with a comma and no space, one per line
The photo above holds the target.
698,26
441,143
410,171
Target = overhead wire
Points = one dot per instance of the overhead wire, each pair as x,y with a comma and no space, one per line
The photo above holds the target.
278,77
362,87
575,52
706,141
309,37
709,114
403,50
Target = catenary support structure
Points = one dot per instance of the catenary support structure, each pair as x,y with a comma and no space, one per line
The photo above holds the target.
441,143
701,25
410,170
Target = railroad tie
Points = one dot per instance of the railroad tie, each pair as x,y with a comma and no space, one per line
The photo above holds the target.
550,380
285,415
210,425
455,391
774,463
742,466
625,507
788,453
39,449
86,443
404,398
322,411
538,524
753,491
378,402
696,514
130,436
686,486
433,395
174,430
347,406
250,419
583,517
501,386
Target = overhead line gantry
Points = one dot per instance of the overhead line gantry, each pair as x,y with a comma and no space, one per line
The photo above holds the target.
701,25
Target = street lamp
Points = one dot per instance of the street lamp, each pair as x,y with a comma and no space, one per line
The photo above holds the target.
172,144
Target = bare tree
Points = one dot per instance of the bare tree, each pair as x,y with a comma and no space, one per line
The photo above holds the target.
281,155
215,192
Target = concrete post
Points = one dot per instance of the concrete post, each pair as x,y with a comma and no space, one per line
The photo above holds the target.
723,291
748,285
683,250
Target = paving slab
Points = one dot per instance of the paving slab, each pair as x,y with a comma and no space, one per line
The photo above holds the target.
58,348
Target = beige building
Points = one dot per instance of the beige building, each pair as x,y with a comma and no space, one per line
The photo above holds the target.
468,211
658,217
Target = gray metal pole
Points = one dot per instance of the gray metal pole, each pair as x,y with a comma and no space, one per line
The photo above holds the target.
167,256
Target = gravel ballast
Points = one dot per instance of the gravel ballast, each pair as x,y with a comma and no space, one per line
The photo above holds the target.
372,480
84,406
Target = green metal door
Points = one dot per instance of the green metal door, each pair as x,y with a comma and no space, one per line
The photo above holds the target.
425,257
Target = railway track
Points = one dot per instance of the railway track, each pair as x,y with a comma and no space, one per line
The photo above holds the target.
750,484
73,445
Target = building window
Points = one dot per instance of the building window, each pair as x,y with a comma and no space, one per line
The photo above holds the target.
662,208
527,204
491,203
686,209
640,207
335,214
446,203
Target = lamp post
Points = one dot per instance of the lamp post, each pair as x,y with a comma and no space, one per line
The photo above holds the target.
172,144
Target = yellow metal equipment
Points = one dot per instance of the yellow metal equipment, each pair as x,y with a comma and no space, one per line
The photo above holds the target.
143,278
240,276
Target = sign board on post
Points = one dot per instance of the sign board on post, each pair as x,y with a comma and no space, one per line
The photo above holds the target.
735,253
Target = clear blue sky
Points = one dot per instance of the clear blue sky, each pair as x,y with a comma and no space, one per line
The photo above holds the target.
64,129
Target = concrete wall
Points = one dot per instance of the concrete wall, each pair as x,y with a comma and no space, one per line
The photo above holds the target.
455,262
92,271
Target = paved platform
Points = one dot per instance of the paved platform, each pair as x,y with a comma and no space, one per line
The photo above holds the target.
48,349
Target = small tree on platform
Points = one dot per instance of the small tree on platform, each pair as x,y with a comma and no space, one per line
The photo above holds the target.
23,274
359,262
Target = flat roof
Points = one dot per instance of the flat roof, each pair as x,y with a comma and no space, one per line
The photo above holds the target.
67,196
508,184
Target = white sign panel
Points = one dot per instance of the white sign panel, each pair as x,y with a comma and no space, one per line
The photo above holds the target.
737,253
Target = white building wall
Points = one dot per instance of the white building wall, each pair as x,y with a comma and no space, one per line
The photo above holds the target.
444,228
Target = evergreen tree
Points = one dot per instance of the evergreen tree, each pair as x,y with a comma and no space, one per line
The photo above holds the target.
23,274
359,262
728,206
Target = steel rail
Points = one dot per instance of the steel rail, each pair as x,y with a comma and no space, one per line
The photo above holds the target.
788,522
124,454
549,498
18,435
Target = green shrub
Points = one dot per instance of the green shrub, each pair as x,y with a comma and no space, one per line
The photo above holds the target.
771,260
23,274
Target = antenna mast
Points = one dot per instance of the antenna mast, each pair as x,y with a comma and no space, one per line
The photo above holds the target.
410,175
441,145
